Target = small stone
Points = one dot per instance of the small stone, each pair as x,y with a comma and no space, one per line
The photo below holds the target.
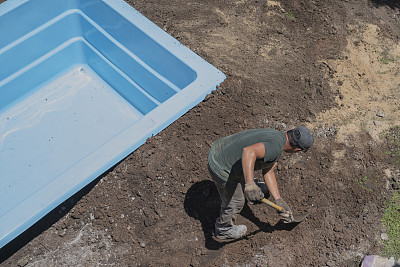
330,263
98,214
380,114
149,221
62,233
23,262
395,186
384,236
142,244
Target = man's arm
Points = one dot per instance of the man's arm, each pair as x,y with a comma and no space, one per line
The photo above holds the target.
270,181
249,156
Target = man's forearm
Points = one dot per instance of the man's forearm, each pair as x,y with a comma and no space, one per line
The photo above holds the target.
270,181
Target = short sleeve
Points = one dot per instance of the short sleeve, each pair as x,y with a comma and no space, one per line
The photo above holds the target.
272,152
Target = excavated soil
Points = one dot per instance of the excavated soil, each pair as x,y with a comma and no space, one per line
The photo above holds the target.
331,65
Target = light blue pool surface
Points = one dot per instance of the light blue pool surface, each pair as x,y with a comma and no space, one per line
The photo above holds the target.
83,83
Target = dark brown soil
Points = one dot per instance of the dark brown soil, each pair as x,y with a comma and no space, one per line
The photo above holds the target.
157,207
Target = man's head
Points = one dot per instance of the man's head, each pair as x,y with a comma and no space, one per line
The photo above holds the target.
300,137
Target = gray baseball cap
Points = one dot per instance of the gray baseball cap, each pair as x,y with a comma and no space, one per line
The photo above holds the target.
303,137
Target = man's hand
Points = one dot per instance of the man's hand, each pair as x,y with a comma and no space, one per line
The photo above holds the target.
253,193
286,213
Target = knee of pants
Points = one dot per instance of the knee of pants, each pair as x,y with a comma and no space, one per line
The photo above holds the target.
238,203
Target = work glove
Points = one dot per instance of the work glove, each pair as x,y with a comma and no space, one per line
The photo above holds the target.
286,213
253,193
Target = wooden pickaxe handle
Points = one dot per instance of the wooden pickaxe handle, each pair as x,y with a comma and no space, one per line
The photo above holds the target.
294,218
278,208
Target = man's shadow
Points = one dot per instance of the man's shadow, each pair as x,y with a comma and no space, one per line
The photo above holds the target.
202,202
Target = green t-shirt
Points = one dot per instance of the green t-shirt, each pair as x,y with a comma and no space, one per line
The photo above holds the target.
225,156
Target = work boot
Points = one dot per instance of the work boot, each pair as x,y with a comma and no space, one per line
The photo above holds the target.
233,232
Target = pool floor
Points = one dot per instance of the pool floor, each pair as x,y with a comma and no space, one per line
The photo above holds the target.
71,109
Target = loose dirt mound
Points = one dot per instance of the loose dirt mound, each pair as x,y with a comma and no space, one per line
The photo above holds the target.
332,65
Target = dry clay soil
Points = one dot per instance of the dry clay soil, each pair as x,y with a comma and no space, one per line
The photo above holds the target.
331,65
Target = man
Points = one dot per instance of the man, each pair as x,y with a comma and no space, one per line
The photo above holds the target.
232,161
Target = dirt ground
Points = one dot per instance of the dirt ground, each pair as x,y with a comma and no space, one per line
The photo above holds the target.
331,65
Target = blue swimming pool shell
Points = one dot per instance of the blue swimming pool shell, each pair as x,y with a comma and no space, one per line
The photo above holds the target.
83,83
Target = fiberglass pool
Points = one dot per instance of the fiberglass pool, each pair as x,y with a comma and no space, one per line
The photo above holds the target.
83,83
